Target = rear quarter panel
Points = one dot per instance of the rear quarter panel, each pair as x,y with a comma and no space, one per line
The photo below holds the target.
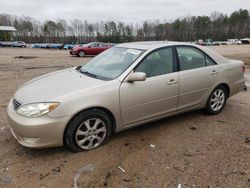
230,72
233,75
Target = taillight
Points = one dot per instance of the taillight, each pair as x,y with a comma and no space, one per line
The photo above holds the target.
243,68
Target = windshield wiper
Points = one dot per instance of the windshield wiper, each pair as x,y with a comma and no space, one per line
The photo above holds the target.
87,73
78,68
91,74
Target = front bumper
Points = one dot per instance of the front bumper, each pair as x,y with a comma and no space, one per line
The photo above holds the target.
41,132
72,52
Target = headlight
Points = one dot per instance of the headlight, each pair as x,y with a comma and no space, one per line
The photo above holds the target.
36,109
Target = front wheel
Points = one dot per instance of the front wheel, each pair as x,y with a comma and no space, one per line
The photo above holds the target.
88,130
216,100
81,53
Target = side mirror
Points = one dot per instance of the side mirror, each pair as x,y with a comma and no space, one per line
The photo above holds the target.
136,76
89,46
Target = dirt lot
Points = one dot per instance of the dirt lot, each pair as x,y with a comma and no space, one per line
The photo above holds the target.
192,149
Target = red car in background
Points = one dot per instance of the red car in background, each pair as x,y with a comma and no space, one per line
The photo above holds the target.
93,48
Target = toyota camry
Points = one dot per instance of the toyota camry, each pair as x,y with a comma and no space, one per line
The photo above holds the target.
125,86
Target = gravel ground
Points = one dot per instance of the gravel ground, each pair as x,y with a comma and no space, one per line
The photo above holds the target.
192,149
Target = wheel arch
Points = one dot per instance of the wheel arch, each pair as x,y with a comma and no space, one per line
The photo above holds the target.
227,88
107,111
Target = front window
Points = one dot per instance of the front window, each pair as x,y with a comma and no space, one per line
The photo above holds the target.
157,63
111,63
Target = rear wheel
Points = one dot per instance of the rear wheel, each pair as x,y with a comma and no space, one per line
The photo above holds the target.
216,100
88,130
81,53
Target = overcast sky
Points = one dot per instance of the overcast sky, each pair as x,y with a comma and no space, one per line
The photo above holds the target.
118,10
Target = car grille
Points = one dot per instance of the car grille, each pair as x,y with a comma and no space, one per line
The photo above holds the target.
16,104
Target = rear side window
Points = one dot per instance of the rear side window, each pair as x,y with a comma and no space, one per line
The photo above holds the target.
190,58
209,61
94,44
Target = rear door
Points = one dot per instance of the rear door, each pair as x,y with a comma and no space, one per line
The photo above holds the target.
102,47
93,48
198,73
157,95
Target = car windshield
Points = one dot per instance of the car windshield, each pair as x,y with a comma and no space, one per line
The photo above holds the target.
111,63
85,45
90,44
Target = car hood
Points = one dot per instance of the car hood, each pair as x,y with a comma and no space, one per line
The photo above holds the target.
79,47
51,86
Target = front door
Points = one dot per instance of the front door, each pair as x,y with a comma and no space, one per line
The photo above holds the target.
157,95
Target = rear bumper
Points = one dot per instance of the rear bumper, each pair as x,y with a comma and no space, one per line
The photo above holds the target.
237,87
42,132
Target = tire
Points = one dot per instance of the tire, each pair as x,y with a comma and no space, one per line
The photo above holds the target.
216,101
88,130
81,53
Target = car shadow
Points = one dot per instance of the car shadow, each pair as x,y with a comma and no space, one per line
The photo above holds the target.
44,152
172,121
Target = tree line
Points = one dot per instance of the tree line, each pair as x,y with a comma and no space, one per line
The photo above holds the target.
217,26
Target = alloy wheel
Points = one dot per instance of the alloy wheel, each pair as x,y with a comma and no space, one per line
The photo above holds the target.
91,133
217,100
81,54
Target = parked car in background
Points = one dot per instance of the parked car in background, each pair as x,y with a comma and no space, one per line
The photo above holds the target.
233,42
127,85
19,44
47,45
7,44
201,42
93,48
55,46
222,42
245,41
239,42
209,42
216,43
34,46
68,46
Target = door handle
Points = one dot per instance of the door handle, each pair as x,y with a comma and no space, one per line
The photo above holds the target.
214,72
172,81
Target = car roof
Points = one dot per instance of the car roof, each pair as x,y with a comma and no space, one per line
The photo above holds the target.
150,44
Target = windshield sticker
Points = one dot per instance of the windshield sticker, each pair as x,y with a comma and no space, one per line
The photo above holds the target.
133,51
